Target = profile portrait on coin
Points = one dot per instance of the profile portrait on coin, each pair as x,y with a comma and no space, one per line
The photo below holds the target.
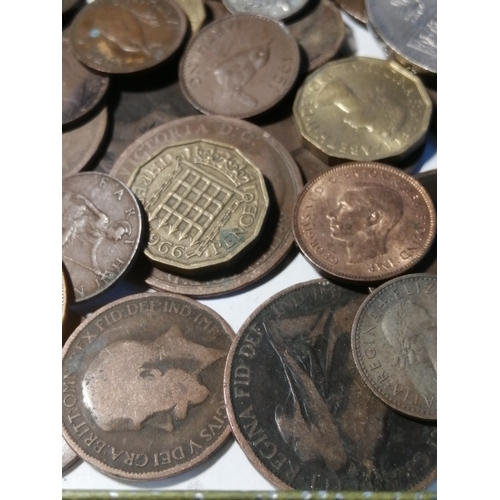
363,218
129,382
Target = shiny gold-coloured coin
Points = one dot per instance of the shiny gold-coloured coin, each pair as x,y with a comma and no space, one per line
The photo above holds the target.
362,109
205,202
195,12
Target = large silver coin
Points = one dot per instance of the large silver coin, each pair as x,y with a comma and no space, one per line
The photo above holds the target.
275,9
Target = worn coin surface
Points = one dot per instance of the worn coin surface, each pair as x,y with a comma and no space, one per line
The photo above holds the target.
69,457
205,202
274,9
239,66
101,231
283,183
127,36
394,344
362,109
355,8
82,90
142,389
299,409
364,222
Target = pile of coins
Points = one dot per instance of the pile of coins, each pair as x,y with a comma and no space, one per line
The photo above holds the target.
218,140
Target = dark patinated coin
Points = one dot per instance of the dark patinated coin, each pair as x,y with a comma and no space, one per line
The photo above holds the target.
142,391
299,408
101,231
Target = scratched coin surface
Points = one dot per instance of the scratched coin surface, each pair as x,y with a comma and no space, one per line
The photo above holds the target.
101,232
127,36
298,406
362,109
283,183
365,222
205,202
239,66
142,388
275,9
394,344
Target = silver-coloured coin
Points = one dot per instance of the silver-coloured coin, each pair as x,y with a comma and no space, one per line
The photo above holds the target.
275,9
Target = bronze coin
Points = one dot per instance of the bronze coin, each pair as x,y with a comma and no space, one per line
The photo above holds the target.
64,296
299,409
82,90
239,66
283,182
69,4
142,389
101,232
355,8
127,36
69,457
394,343
364,222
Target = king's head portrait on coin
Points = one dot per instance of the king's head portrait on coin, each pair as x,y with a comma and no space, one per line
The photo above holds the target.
363,217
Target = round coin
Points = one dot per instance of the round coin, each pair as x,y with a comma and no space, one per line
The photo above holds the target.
274,9
239,66
101,231
355,8
69,457
127,36
299,409
394,344
142,389
364,222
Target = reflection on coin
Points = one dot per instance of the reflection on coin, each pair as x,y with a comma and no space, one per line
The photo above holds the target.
355,8
394,343
274,9
364,222
205,202
299,408
80,144
101,231
142,392
362,109
239,66
127,36
283,183
69,457
81,89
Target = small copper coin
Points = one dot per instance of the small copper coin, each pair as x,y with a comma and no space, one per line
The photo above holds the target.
355,8
299,409
239,66
142,389
69,457
127,36
101,231
82,90
364,222
394,343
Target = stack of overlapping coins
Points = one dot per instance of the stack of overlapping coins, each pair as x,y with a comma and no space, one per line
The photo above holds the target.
248,246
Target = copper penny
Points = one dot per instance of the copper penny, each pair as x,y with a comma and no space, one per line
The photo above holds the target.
239,66
67,5
127,36
394,343
101,231
355,8
299,409
82,90
283,182
142,389
364,222
69,457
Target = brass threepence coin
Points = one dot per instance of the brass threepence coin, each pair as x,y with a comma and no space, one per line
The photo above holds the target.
239,66
69,457
355,8
362,109
205,201
283,184
82,90
274,9
394,343
408,28
101,231
195,12
299,409
364,222
142,391
127,36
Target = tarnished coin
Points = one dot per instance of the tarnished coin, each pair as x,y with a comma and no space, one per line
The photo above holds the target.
274,9
127,36
82,90
205,202
299,409
80,144
362,109
364,222
409,28
69,457
142,389
195,12
394,343
355,8
239,66
101,231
